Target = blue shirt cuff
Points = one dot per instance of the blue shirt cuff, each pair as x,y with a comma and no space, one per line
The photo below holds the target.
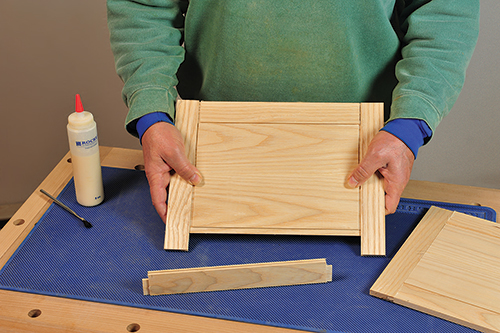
413,132
149,119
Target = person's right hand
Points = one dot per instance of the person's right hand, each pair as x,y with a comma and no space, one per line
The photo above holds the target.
163,149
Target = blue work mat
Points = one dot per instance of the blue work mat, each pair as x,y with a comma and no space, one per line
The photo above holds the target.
107,263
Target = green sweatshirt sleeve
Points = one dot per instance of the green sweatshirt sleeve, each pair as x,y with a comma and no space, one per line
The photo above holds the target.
439,37
146,38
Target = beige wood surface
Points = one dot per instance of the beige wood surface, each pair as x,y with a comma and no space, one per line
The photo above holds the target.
180,197
60,314
280,170
467,195
372,196
258,275
448,267
280,113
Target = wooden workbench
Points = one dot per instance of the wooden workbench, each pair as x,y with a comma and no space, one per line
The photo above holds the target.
26,312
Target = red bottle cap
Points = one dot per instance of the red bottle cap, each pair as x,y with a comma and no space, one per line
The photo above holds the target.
78,104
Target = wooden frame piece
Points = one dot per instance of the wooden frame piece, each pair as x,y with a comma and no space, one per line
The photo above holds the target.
259,275
449,267
277,168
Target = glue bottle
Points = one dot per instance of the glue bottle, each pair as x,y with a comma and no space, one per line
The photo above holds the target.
84,148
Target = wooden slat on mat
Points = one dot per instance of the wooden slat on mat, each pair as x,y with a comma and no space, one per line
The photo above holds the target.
449,267
278,168
245,276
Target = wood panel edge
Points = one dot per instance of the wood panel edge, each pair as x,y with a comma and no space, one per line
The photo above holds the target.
254,275
406,259
285,112
444,310
282,231
179,213
372,196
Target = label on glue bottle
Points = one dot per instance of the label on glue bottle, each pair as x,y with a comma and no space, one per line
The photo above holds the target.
84,148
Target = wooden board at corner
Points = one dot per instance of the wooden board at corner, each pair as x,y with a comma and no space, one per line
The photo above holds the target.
449,267
276,168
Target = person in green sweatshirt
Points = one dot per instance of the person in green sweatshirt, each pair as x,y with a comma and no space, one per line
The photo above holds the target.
410,54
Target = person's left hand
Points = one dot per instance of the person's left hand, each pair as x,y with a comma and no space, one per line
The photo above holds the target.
393,160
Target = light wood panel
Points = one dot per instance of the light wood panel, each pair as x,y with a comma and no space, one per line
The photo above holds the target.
280,113
280,168
245,276
180,200
372,200
449,267
280,176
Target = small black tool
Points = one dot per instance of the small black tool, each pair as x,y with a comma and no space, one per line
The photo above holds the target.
85,222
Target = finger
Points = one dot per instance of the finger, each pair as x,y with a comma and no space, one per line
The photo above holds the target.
178,161
158,183
391,201
395,181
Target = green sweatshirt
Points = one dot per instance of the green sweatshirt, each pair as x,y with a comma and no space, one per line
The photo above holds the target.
411,55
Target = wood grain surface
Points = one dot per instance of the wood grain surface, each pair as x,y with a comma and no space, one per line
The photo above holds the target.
280,176
449,267
180,196
280,168
258,275
372,196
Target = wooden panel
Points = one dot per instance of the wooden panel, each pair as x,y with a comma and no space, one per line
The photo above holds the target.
449,267
280,113
181,192
245,276
280,168
280,176
372,220
409,254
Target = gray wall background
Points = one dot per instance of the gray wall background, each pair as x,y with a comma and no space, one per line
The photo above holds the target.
52,49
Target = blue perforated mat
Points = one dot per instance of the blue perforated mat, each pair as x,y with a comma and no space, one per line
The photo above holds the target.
106,264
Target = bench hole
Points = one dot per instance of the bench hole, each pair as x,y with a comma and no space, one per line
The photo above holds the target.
34,313
18,222
139,167
69,160
133,327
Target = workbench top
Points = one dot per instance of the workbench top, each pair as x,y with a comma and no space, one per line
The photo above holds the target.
18,310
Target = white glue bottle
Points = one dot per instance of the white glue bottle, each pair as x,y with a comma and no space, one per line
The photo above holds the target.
84,147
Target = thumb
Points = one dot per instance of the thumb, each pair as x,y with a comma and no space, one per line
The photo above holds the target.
363,171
